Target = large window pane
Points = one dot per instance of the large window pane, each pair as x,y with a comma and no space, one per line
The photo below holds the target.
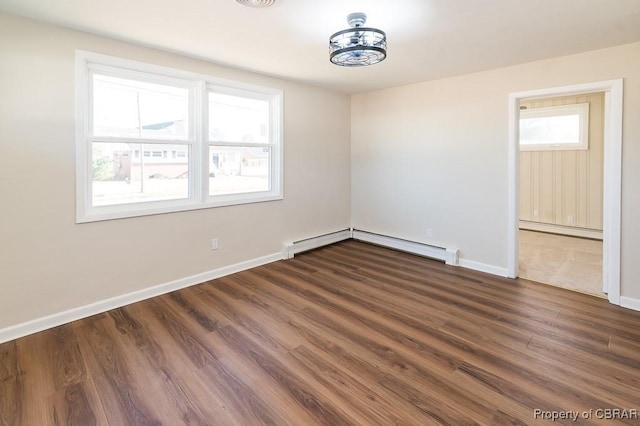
130,173
134,109
238,119
238,169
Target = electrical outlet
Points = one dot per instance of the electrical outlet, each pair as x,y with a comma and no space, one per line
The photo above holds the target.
570,218
535,213
214,244
429,232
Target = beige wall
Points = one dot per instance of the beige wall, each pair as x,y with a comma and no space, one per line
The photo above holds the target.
565,187
48,263
430,155
434,155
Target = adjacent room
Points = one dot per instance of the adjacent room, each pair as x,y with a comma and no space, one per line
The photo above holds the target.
561,191
248,212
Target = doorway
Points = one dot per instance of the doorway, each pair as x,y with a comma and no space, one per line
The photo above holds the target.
612,90
561,191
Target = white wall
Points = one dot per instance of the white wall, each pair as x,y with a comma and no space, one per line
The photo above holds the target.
434,155
49,264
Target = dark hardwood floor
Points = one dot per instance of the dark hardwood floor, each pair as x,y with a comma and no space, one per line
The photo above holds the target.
350,334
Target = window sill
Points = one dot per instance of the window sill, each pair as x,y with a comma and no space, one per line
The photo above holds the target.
97,214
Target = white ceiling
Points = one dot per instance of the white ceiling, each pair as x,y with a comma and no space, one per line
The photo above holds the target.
427,39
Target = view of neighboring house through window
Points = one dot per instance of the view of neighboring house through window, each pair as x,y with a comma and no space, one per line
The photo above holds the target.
154,140
127,113
239,145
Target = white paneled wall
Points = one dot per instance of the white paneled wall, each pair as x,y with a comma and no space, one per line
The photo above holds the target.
565,187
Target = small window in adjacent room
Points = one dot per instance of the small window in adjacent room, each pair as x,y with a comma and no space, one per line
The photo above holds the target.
564,127
156,140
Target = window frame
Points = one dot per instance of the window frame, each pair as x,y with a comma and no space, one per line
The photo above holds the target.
581,109
88,64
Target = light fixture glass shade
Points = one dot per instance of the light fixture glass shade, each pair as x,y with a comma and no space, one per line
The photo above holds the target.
357,46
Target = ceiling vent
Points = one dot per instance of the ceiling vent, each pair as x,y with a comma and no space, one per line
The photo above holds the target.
256,3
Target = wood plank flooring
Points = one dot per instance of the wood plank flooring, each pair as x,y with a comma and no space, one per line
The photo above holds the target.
350,334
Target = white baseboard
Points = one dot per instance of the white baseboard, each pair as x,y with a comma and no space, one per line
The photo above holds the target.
630,303
483,267
50,321
290,249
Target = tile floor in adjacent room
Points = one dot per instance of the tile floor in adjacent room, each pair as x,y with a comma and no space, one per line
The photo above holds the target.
569,262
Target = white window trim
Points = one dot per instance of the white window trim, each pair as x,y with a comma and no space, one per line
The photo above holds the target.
198,173
582,110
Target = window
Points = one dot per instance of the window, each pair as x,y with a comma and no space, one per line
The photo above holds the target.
155,140
564,127
239,143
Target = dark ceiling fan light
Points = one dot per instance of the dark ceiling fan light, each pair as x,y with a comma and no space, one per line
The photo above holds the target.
357,46
256,3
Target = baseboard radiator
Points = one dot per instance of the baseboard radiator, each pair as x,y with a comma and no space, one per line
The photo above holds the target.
448,255
290,249
572,231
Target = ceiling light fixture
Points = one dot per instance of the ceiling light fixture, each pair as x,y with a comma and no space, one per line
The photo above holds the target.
256,3
357,46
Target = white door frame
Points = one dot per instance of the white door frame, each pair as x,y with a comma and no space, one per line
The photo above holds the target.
613,90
